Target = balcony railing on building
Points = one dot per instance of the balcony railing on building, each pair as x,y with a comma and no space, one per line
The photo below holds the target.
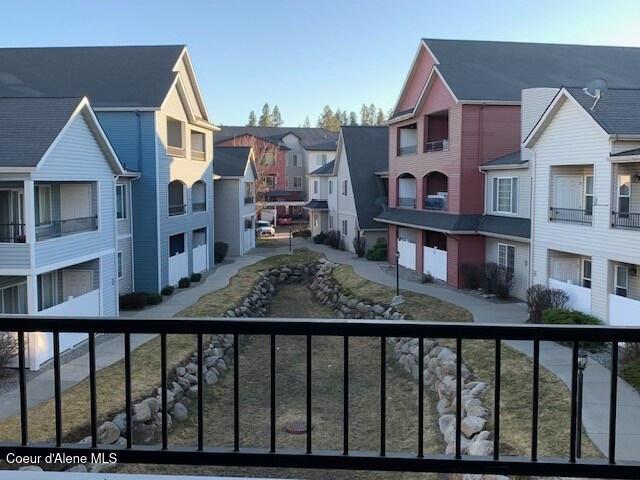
69,226
12,233
249,200
407,202
435,202
177,210
437,146
625,219
570,215
199,206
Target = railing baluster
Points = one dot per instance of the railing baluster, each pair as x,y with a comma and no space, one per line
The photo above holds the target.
92,389
383,396
57,392
496,401
458,398
345,407
574,402
420,397
309,426
24,429
613,406
127,386
236,393
163,372
273,394
200,393
536,395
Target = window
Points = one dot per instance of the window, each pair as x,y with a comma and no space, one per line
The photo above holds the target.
330,187
197,145
270,181
315,186
297,182
295,160
43,205
622,280
507,256
121,201
248,192
48,290
505,194
176,198
588,194
176,244
13,299
321,159
407,139
174,137
344,227
330,222
268,158
344,188
199,196
119,265
586,273
316,221
624,193
248,224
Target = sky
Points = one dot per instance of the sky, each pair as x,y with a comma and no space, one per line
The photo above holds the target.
302,55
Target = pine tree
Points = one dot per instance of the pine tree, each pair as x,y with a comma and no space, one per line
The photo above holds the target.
326,117
307,123
364,115
353,119
276,118
372,114
252,119
380,117
265,118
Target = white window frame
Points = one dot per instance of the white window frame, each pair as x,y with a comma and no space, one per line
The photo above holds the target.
618,286
513,199
273,184
120,266
620,196
506,247
39,190
54,289
15,285
294,160
586,279
587,194
297,182
330,187
173,150
316,186
344,227
344,188
122,203
330,222
200,155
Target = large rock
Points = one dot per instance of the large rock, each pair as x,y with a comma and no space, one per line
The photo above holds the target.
481,445
445,422
143,433
141,413
120,421
472,425
210,377
153,404
179,412
108,433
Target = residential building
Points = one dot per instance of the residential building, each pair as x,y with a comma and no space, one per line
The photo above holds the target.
59,233
458,109
284,158
235,198
149,104
322,183
586,201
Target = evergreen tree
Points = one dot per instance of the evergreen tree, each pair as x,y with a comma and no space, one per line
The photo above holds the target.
353,119
265,119
307,123
372,114
364,115
276,118
252,119
380,117
326,118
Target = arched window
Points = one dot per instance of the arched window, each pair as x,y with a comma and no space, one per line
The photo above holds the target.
199,196
177,198
407,190
436,191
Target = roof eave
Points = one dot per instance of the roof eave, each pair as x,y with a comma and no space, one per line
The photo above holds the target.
506,166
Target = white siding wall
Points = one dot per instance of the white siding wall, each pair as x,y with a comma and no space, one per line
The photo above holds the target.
346,205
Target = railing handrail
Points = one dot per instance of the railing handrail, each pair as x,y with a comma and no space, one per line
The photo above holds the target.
65,220
325,327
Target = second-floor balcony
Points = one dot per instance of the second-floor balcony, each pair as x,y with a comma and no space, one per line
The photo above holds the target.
436,191
572,194
571,215
626,196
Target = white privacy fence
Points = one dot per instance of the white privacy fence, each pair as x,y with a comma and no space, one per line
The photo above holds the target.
200,257
623,311
579,297
407,252
178,267
435,263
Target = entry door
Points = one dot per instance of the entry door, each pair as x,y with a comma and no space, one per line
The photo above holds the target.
568,192
75,201
76,283
566,270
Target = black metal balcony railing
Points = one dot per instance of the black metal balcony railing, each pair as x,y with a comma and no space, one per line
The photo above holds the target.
249,200
436,146
408,150
571,215
407,202
435,203
199,206
61,228
625,219
177,210
12,233
344,458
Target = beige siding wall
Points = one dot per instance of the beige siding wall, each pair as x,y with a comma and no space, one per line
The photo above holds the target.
521,270
524,191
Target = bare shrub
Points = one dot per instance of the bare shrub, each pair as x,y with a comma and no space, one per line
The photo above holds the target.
8,348
541,298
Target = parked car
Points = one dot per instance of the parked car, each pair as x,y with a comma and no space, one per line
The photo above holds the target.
264,228
285,220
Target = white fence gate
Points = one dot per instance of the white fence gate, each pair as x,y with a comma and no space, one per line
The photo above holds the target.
435,263
178,267
407,252
200,258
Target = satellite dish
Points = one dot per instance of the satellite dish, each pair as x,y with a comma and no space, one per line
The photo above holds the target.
595,89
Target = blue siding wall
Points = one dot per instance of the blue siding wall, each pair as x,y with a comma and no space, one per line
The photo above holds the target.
133,138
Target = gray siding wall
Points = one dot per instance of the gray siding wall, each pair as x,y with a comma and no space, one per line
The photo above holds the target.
125,224
521,271
125,284
15,255
109,292
228,221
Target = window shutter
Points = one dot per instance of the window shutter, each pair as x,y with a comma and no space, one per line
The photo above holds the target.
495,195
514,195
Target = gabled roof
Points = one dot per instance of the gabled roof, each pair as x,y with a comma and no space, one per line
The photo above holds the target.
310,138
507,226
513,159
30,127
367,151
617,111
326,169
127,76
232,161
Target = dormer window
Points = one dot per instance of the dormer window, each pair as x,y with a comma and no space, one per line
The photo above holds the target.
175,141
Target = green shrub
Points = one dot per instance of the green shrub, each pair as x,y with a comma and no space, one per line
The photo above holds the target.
168,290
184,282
220,250
196,277
133,301
319,238
378,253
560,316
152,298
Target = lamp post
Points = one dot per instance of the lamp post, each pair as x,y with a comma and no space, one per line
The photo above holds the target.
397,273
290,238
583,359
